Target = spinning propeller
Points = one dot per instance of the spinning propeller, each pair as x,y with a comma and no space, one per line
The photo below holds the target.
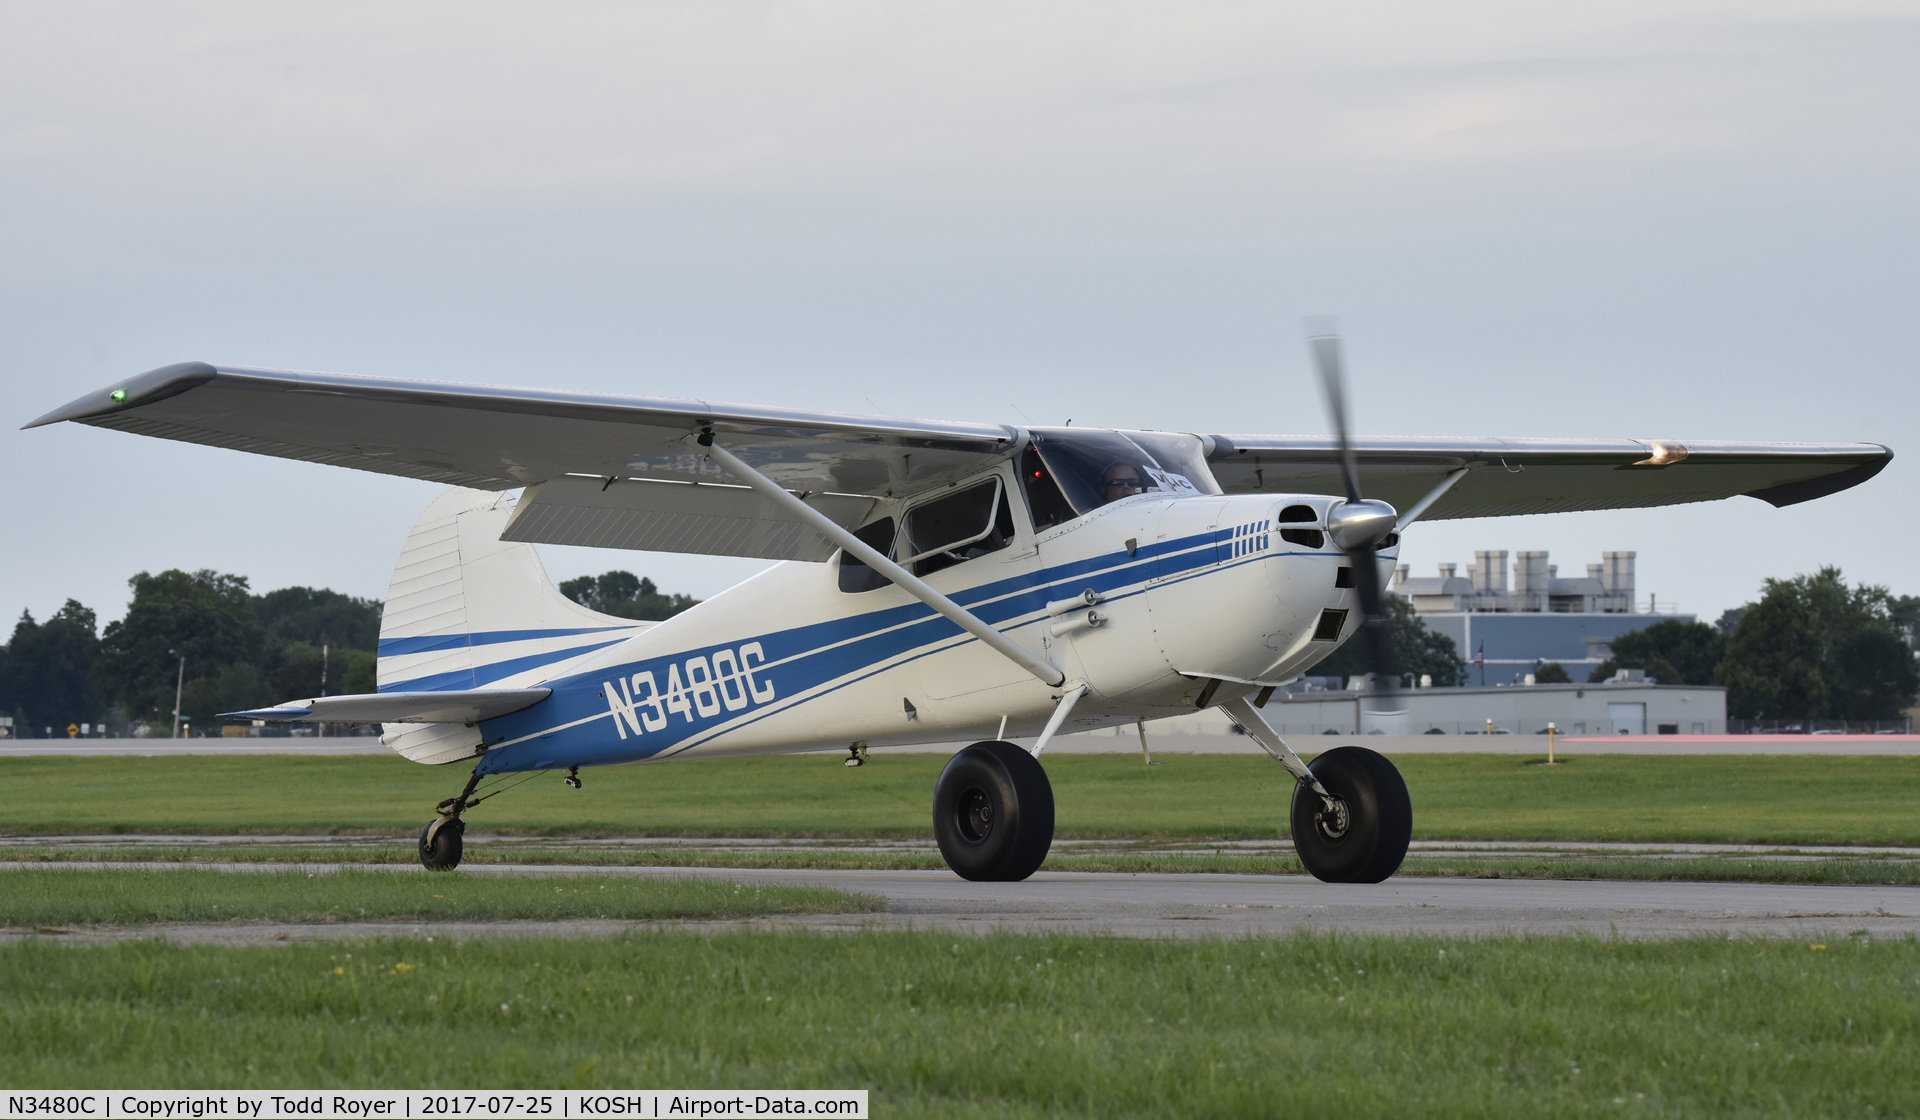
1357,525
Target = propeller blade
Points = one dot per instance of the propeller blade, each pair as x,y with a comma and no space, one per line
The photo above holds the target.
1323,338
1375,629
1358,526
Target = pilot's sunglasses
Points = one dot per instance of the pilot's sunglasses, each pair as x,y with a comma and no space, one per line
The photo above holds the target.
1123,482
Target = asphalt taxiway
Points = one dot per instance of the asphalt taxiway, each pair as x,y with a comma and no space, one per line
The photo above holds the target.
1178,906
1119,741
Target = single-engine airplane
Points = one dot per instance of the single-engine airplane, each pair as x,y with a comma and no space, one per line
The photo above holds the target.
942,581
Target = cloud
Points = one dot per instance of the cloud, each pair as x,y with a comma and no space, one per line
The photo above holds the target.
1632,218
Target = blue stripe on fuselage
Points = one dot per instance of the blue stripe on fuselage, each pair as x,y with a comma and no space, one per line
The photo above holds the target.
807,657
436,643
480,676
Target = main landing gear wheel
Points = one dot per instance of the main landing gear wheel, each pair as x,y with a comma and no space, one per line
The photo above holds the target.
440,844
993,813
1363,838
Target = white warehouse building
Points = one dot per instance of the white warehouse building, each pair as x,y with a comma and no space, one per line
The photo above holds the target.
1623,708
1630,708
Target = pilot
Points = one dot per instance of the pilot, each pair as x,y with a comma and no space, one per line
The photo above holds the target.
1121,480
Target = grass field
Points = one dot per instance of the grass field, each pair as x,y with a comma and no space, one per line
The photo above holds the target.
1761,799
55,896
1003,1026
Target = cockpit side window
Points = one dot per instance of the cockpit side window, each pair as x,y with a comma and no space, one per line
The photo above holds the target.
855,575
956,527
1094,467
1180,456
1045,502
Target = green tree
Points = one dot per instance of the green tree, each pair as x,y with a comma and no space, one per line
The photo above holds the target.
1905,613
315,615
1552,673
295,668
46,679
1672,652
625,595
205,616
1413,650
1814,648
362,674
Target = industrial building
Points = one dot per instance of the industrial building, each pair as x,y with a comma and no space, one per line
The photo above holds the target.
1628,707
1510,628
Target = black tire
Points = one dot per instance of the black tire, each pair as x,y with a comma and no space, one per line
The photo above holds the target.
993,813
442,851
1379,818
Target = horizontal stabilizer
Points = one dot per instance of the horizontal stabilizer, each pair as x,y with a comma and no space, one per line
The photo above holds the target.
462,706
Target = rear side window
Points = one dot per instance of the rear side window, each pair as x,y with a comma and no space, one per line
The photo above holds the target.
855,575
957,527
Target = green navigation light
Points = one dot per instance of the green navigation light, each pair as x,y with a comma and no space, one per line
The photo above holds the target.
118,395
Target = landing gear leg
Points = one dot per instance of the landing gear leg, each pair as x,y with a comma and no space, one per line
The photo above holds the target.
857,754
573,778
1351,816
440,841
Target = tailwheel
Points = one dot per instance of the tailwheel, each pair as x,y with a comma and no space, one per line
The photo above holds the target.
993,813
1361,837
441,840
441,844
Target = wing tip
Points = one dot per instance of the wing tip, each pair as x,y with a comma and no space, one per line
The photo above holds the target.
1806,490
146,388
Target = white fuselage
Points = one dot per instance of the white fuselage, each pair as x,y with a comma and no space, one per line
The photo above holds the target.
1190,590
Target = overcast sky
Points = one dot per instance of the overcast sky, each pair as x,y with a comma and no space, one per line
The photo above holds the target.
1674,219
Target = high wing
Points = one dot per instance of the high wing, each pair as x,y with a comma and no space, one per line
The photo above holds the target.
579,445
626,472
1506,476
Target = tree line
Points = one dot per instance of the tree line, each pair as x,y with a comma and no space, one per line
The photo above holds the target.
225,648
204,633
1811,647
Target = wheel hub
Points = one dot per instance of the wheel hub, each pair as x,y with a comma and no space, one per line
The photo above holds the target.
976,815
1333,820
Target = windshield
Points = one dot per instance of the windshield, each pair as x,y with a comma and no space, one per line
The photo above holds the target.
1094,467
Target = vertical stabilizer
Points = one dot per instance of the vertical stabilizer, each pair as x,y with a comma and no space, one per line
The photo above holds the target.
468,610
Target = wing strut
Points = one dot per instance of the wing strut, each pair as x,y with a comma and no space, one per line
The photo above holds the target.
1413,513
905,580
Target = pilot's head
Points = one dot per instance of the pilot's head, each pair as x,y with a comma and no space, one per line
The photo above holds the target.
1121,480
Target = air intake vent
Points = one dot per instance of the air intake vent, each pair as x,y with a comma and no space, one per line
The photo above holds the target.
1332,621
1306,538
